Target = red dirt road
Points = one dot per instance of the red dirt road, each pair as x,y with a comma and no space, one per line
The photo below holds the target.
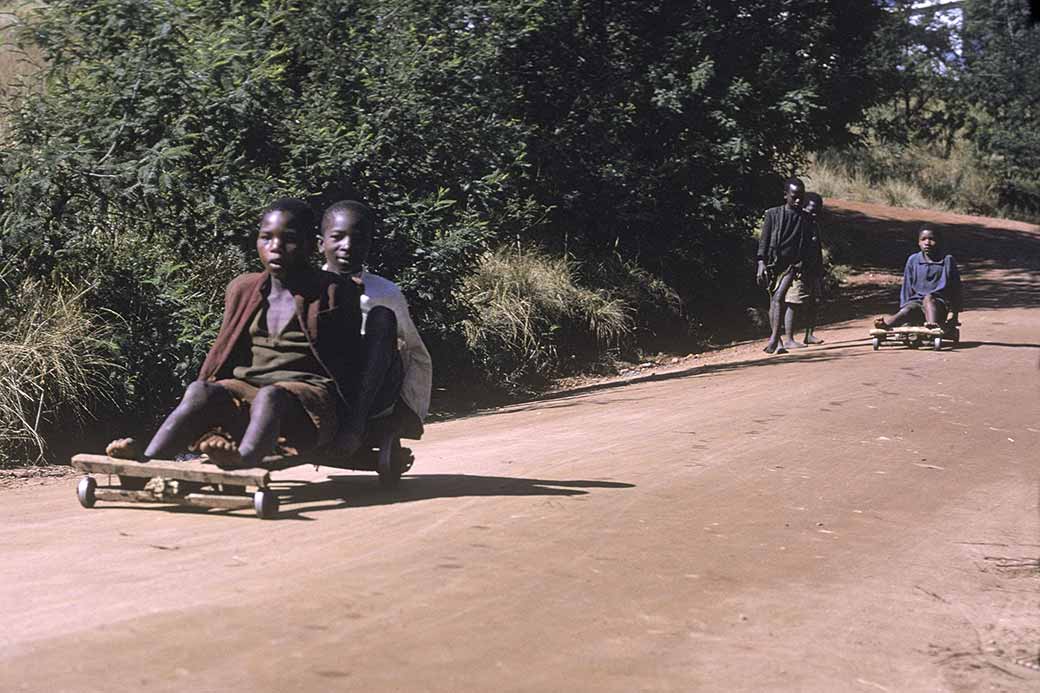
831,520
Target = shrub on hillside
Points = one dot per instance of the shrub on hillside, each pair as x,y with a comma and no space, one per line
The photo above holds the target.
57,364
907,175
530,319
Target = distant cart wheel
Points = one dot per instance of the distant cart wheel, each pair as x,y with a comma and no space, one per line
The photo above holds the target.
266,504
937,343
85,491
388,465
876,343
913,342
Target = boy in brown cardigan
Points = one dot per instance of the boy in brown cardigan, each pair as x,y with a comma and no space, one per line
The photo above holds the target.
283,363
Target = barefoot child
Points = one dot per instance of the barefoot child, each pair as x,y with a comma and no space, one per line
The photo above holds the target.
781,250
812,267
286,354
931,287
397,373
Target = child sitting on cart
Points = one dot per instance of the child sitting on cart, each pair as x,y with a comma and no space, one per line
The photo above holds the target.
931,291
397,375
287,353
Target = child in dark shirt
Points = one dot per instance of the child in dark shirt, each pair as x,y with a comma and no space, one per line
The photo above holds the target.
286,355
812,266
931,289
781,250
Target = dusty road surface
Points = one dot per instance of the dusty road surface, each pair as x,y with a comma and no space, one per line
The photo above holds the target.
833,520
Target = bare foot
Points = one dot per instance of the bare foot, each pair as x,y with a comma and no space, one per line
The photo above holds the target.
771,347
222,452
123,449
812,339
879,323
793,344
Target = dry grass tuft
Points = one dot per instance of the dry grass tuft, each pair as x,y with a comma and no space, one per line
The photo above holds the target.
55,360
527,307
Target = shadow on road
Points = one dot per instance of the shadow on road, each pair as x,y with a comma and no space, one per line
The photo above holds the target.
819,354
361,491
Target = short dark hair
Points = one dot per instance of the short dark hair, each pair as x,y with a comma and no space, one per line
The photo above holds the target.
365,216
816,197
935,232
793,181
305,221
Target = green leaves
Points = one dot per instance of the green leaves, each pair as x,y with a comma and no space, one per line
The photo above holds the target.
655,130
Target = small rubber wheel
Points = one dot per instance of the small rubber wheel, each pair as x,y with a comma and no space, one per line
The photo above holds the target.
914,343
937,343
388,466
85,491
133,483
265,503
876,343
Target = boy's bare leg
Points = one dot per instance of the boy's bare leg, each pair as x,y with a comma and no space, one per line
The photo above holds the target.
382,370
934,313
202,406
810,323
789,340
776,304
271,406
896,319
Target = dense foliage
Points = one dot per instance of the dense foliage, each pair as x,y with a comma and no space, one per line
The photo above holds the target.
1002,52
646,132
956,125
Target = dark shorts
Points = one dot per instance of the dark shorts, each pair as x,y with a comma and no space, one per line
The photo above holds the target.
299,432
798,292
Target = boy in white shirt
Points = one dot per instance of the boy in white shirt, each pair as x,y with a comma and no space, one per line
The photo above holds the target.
398,372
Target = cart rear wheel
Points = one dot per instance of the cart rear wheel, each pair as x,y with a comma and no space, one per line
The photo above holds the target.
85,491
265,502
937,343
876,343
389,465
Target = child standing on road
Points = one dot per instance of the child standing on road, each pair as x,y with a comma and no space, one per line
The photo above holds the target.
285,358
812,266
931,287
781,250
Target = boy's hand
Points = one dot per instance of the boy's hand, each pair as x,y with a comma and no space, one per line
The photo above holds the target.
761,276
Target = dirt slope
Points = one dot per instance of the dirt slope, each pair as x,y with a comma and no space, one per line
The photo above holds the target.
833,520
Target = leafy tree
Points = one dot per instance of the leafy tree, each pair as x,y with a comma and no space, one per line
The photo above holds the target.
916,56
1002,50
653,131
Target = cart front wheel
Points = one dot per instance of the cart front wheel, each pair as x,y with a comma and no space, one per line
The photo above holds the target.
876,343
265,502
85,491
937,343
